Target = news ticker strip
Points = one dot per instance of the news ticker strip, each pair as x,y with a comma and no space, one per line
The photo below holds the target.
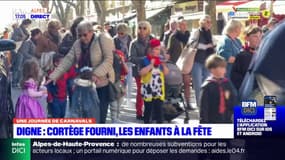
92,130
77,148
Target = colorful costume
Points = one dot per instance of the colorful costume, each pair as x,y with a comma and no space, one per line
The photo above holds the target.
27,105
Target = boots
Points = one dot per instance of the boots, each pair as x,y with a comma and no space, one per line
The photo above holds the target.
187,81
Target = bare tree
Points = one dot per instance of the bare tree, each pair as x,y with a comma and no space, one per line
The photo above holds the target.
100,7
61,11
140,8
64,7
79,6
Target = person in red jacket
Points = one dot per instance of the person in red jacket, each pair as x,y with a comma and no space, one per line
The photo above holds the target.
57,93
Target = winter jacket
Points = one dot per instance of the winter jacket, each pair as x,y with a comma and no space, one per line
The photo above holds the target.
28,49
45,44
240,67
205,37
118,43
101,51
20,34
59,90
227,48
210,101
137,52
66,43
176,43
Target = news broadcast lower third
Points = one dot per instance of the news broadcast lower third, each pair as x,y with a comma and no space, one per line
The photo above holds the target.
148,79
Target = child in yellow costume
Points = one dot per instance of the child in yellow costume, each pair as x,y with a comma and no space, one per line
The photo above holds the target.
153,86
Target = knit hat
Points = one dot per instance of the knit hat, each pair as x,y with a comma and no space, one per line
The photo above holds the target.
154,43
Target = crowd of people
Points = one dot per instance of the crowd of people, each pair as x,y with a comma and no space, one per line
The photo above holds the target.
88,65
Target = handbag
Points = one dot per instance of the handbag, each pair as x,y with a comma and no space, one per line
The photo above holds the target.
186,59
116,91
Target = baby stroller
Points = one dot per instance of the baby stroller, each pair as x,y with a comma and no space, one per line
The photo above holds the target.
6,104
173,94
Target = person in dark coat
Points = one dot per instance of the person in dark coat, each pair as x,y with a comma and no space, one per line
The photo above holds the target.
138,50
218,95
205,47
241,64
265,71
122,39
6,104
177,41
19,35
68,40
171,29
70,37
50,39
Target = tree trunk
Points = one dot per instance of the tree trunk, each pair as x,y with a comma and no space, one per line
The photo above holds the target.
100,8
210,9
140,8
271,7
83,7
61,12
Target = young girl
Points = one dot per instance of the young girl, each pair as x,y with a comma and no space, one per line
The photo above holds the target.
153,88
27,105
85,101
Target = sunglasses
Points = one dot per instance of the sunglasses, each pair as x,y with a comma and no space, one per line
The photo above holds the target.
121,33
82,35
140,28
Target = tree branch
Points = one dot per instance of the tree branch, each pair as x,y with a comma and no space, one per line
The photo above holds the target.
56,9
70,3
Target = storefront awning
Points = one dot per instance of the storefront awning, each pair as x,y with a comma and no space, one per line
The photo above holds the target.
189,16
227,6
152,13
132,16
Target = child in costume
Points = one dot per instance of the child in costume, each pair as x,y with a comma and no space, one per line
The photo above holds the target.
57,93
218,95
153,86
28,105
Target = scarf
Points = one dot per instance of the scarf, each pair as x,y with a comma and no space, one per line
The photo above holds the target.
85,56
182,37
157,61
222,104
124,44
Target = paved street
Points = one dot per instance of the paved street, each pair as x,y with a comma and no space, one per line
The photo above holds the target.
128,114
